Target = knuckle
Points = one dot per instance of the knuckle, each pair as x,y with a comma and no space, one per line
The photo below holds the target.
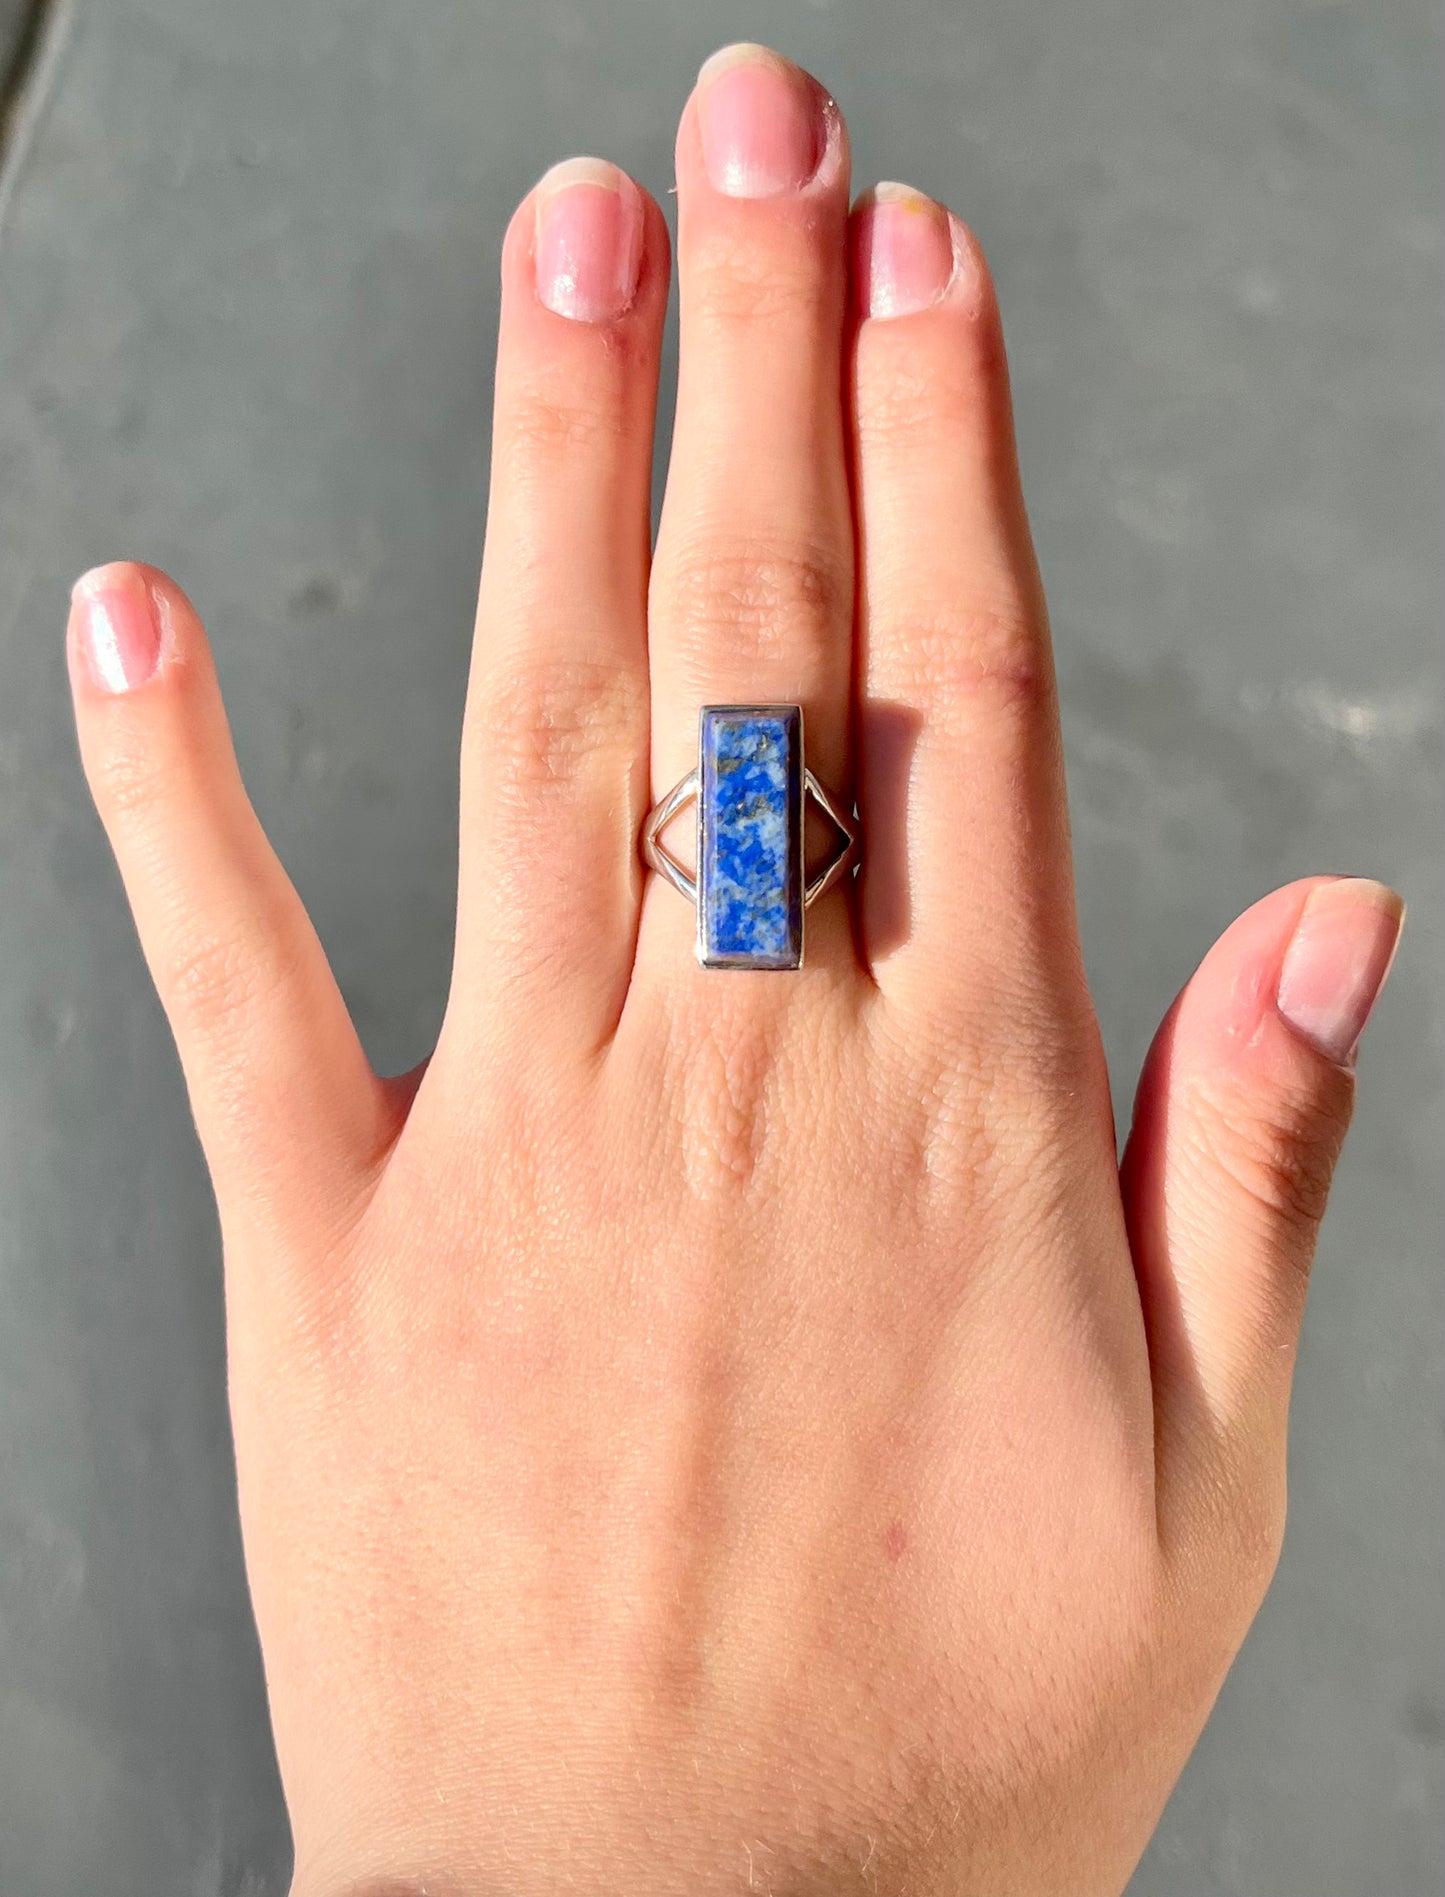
551,423
735,281
772,602
907,400
988,655
736,1069
209,982
724,1136
899,411
539,725
1001,1109
1279,1155
903,405
131,780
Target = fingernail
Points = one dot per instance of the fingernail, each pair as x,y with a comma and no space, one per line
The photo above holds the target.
588,249
117,627
761,121
904,256
1337,961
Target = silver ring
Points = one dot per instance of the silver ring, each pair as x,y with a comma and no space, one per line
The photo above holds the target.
751,886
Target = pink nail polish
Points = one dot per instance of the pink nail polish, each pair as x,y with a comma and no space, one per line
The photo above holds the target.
903,257
1337,961
761,121
588,249
117,627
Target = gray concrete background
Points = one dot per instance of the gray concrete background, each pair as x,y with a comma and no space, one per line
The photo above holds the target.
247,300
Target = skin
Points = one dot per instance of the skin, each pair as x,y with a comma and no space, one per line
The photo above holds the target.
723,1432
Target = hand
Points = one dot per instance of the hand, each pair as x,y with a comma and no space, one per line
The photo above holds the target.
709,1432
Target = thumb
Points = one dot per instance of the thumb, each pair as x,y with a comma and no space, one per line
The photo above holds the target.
1240,1116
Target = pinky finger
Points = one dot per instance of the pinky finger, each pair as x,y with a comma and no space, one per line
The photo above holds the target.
289,1113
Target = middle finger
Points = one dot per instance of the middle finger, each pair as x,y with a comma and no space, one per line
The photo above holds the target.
752,584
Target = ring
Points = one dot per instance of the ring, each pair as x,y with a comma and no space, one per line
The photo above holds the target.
751,885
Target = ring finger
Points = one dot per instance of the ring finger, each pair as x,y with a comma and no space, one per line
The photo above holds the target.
557,710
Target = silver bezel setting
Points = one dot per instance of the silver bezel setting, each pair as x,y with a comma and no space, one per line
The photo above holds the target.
686,790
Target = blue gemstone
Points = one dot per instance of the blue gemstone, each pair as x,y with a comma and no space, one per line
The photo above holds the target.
750,837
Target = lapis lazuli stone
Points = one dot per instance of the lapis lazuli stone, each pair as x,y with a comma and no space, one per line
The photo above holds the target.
750,837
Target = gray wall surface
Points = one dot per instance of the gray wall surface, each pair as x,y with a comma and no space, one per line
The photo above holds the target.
247,304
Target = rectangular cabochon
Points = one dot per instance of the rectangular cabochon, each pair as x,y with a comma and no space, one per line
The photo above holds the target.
750,837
